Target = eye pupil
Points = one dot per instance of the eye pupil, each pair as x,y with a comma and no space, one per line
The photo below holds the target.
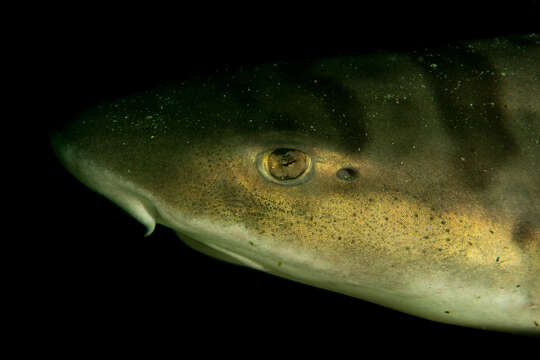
287,164
347,174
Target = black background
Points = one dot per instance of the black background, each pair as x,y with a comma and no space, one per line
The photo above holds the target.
94,280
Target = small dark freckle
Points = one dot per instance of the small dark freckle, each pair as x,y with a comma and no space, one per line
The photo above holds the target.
339,237
447,312
431,218
423,251
439,249
470,243
447,230
518,286
443,222
491,231
407,248
251,243
415,215
426,237
395,198
353,214
536,324
447,239
386,218
370,200
352,241
311,218
460,220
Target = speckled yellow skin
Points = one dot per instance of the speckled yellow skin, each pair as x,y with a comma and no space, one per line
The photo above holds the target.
443,220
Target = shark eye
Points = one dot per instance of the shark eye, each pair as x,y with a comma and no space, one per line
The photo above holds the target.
285,166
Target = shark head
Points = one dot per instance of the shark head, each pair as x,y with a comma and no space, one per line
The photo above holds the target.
365,176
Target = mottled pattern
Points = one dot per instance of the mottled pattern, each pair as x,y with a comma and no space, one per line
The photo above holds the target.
441,218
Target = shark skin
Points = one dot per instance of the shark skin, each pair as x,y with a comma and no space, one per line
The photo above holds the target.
410,180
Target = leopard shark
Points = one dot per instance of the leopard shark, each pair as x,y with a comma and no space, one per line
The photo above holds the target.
410,179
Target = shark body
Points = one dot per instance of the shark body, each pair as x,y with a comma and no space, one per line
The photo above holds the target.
410,180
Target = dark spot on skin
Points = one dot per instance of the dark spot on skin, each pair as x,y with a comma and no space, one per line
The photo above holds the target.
447,230
415,215
251,243
431,218
370,200
470,243
447,239
353,214
407,248
339,237
491,231
279,263
525,236
443,222
386,218
426,237
347,174
447,312
439,249
518,286
395,198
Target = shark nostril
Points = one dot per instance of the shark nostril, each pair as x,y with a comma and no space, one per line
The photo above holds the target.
347,174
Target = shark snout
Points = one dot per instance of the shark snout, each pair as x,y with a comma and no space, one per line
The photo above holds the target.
119,189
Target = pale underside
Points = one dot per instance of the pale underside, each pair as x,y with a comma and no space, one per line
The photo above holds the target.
436,295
